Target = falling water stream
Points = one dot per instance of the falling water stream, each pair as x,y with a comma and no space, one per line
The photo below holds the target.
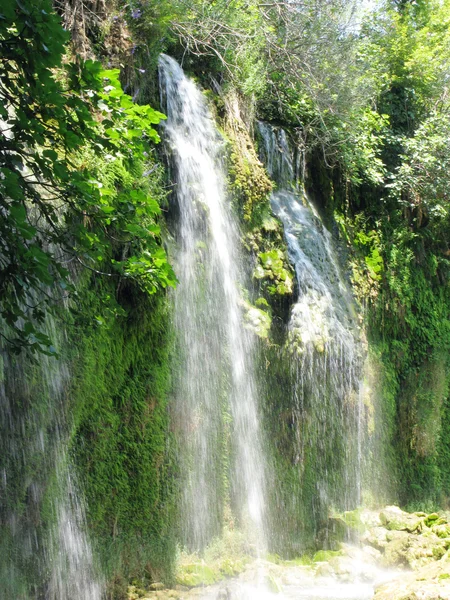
323,341
42,524
216,395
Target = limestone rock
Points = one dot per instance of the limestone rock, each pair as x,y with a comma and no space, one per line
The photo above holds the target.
441,530
371,554
324,569
431,582
370,518
393,518
396,548
376,537
424,549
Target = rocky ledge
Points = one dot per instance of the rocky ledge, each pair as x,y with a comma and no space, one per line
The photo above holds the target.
398,556
418,544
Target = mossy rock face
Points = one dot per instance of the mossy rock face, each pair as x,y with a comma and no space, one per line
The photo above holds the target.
248,177
442,530
431,519
424,549
394,518
341,525
257,320
411,550
353,519
273,267
376,537
396,548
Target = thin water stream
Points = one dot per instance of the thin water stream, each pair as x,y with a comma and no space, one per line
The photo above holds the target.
323,343
42,523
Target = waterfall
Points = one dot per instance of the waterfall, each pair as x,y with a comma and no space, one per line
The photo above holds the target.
216,408
43,544
73,575
323,342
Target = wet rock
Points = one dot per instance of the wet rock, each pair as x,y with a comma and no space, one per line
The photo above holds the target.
370,518
424,549
376,537
431,582
395,549
393,518
371,554
353,520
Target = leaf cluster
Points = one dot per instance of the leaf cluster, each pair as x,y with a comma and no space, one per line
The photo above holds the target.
56,210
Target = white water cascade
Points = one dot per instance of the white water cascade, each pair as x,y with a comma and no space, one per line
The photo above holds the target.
42,521
323,342
216,407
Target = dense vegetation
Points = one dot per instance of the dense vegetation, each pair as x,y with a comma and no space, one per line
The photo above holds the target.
366,100
65,126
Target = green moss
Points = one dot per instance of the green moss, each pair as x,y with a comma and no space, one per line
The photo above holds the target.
121,379
249,179
257,320
273,267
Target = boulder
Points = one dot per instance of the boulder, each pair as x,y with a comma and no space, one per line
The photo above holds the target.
324,569
376,537
424,549
395,549
370,518
393,518
371,554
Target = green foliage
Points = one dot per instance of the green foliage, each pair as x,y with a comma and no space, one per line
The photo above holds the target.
56,210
